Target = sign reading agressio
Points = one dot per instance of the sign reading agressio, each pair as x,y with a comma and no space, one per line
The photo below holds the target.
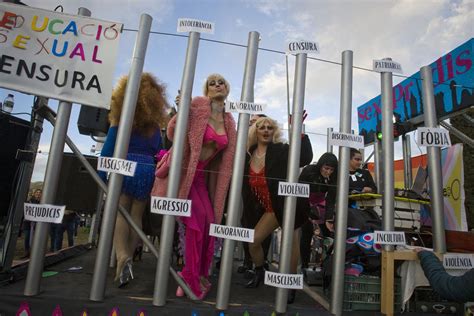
169,206
245,107
293,189
46,213
389,238
230,232
56,55
193,25
117,165
283,280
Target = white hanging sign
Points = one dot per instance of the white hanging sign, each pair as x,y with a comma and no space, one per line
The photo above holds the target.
458,261
389,238
284,280
192,25
299,47
231,232
432,137
293,189
45,213
117,165
245,107
387,66
346,140
169,206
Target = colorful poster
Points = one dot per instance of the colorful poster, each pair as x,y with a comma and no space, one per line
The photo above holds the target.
59,56
453,79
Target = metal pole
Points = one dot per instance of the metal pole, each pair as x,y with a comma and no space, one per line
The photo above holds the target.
378,163
96,218
292,176
330,149
53,167
121,148
167,227
463,137
434,164
233,212
407,161
337,282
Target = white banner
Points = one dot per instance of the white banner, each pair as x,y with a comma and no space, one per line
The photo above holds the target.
463,261
283,280
299,47
389,238
432,137
192,25
46,213
230,232
387,66
60,56
245,107
346,140
169,206
293,189
117,165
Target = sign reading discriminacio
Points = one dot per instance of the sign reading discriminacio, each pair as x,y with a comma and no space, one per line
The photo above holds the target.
346,140
193,25
245,107
230,232
59,56
46,213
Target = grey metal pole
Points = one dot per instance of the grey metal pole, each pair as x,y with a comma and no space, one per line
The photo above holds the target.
233,211
330,148
292,176
167,227
121,148
96,218
463,137
407,161
53,167
337,282
388,193
378,163
434,164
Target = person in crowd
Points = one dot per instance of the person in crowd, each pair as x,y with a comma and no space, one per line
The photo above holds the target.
453,288
360,180
27,226
322,178
67,225
145,142
266,164
209,150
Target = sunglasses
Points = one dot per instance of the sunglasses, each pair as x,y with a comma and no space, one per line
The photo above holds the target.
212,83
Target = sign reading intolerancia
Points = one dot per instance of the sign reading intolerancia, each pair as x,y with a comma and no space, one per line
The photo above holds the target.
192,25
60,56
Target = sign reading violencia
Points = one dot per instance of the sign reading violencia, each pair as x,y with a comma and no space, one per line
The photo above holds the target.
56,55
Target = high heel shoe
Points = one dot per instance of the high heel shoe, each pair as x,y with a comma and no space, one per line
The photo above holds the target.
291,296
126,274
257,278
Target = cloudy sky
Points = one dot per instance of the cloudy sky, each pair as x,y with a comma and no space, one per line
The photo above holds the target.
412,32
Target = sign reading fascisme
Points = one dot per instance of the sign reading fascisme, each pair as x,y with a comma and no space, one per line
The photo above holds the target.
387,66
245,107
283,280
169,206
346,140
46,213
192,25
389,238
230,232
298,47
460,261
117,165
293,189
432,137
59,56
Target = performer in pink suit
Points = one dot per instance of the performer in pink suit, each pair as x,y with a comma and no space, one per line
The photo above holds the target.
206,171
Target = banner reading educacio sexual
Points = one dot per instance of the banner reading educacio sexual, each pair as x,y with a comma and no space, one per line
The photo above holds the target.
59,56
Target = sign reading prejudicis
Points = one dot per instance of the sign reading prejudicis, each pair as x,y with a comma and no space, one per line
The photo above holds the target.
46,213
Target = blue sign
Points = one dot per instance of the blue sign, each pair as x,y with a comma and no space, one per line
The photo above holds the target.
453,81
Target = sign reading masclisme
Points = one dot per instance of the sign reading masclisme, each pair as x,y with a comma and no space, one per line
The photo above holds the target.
60,56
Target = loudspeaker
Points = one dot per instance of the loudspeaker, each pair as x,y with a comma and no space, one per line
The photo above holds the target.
14,135
93,121
76,188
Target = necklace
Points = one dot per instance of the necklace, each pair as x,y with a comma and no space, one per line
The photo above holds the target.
260,156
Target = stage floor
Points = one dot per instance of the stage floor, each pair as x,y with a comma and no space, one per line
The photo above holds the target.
69,290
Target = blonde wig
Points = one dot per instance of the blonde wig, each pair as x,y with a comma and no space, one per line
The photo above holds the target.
150,112
205,88
252,138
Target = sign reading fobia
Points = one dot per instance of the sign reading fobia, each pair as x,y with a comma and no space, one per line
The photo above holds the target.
433,137
59,56
46,213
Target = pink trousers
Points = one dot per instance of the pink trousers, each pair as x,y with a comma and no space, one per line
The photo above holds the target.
199,246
